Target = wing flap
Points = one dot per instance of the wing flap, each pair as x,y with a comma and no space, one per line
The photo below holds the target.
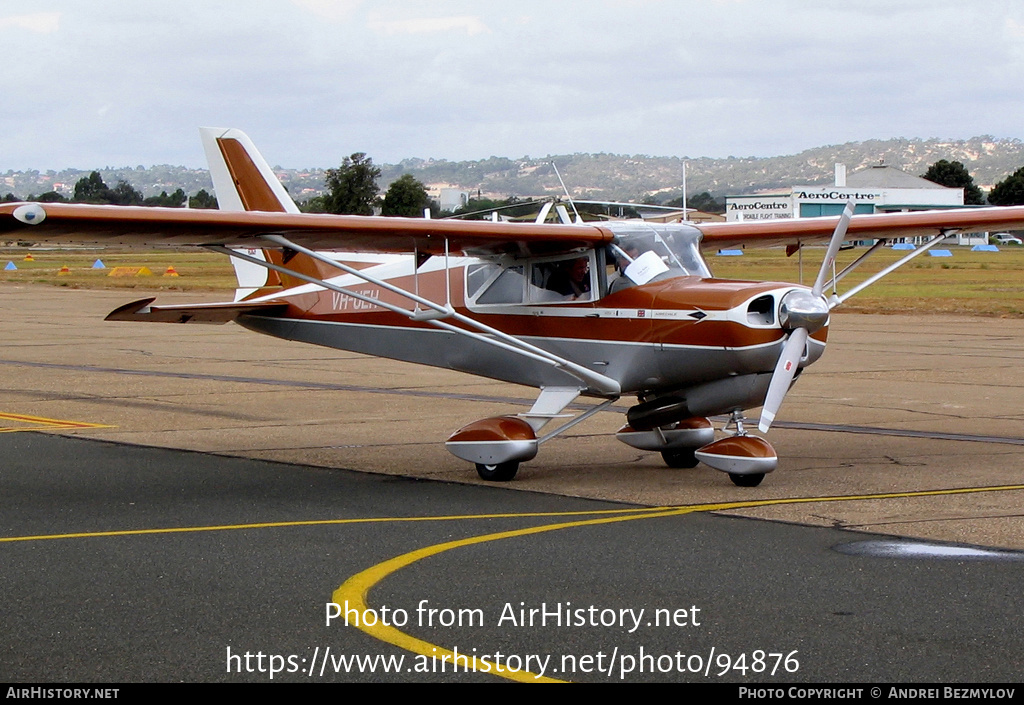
141,310
68,223
863,227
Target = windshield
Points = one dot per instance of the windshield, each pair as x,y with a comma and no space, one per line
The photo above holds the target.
676,246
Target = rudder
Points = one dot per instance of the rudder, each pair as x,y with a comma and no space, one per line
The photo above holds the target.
244,181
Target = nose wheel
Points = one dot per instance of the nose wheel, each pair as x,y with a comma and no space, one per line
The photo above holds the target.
745,459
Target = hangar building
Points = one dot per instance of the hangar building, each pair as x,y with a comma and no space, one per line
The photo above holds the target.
876,189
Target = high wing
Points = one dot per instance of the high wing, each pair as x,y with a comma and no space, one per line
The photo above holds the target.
66,223
862,227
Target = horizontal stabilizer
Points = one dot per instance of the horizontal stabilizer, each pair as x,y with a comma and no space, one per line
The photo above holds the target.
192,313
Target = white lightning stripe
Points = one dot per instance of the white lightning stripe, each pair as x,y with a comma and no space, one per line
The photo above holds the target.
535,339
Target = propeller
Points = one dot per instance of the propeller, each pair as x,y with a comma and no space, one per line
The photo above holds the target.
802,312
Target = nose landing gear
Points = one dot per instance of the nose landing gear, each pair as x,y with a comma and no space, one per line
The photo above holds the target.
746,459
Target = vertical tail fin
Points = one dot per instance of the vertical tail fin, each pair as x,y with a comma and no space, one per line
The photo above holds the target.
241,176
243,181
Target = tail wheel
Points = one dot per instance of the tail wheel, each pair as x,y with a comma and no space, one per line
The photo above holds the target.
751,480
680,458
502,472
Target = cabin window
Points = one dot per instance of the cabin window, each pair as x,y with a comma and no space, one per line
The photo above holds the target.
493,284
565,279
562,280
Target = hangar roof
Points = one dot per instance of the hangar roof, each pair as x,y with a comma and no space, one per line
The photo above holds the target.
882,176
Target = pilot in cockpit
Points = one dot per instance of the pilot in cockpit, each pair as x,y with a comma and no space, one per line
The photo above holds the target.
631,250
571,278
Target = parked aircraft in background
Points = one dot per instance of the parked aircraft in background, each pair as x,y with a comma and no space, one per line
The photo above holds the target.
594,311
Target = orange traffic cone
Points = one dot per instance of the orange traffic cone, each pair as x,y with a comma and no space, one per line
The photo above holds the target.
171,273
64,271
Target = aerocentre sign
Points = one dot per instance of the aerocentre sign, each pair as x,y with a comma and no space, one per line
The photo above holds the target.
836,194
758,207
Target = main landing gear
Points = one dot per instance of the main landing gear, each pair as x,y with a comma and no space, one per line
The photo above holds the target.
498,444
751,480
502,472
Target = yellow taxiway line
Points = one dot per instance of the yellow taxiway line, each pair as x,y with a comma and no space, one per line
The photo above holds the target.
314,522
352,593
43,423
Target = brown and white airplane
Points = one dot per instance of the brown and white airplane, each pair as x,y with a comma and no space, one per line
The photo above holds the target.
575,310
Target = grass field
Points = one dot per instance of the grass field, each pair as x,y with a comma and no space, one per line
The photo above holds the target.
974,283
197,270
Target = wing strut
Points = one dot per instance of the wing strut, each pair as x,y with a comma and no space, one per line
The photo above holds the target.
856,263
605,386
892,267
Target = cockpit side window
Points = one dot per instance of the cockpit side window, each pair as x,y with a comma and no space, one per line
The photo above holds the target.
676,247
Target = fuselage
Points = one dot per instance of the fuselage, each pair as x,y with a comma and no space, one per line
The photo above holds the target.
682,331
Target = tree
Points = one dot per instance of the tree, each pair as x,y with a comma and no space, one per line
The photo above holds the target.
955,175
1009,191
124,194
705,202
352,187
175,200
50,197
202,200
406,197
481,208
316,204
91,189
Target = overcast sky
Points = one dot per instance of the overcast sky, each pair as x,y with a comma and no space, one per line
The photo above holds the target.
93,83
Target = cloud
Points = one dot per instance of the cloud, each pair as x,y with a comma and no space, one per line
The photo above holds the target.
41,22
430,25
333,10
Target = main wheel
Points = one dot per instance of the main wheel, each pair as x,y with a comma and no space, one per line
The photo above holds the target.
502,472
751,480
680,458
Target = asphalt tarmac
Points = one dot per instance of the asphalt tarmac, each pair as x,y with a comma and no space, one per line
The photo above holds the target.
907,427
144,564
